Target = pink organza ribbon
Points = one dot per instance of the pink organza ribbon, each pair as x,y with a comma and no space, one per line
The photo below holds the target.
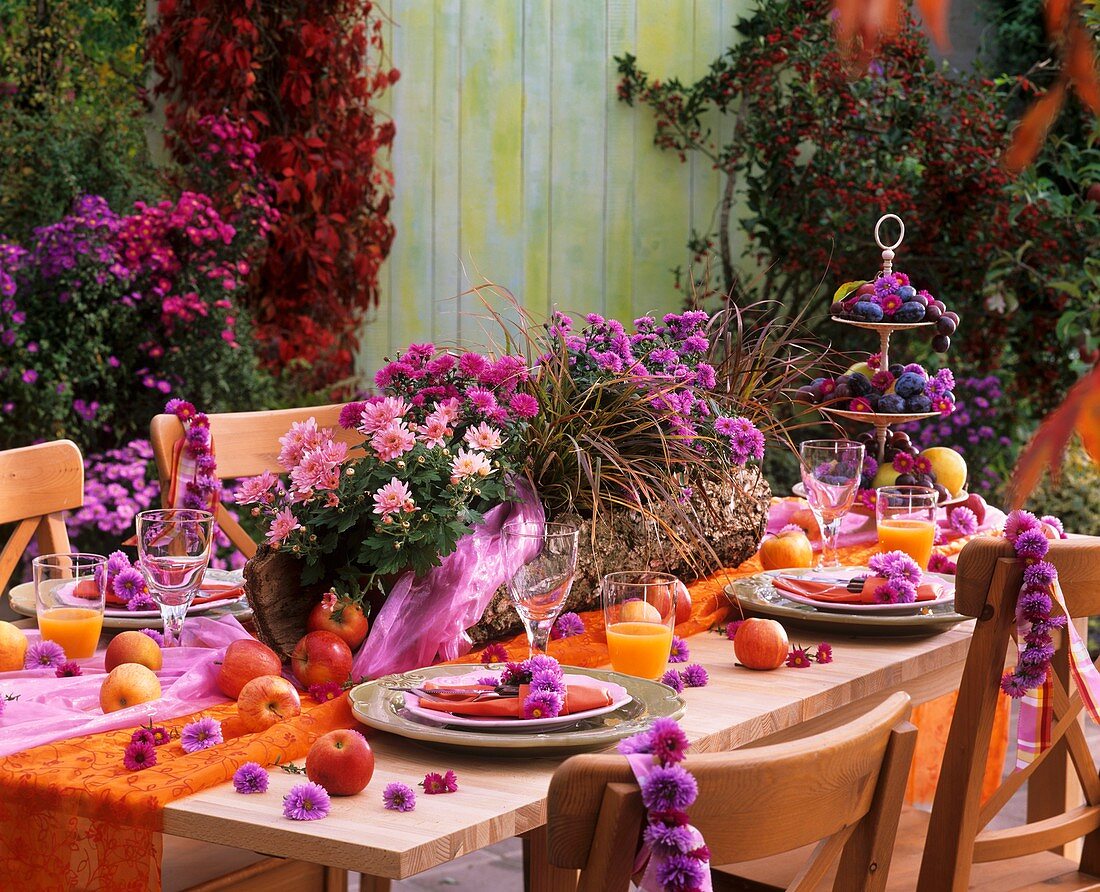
859,529
648,862
51,708
426,619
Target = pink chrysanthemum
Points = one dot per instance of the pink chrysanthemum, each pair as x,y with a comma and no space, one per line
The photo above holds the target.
69,669
731,628
798,658
143,735
542,705
325,691
494,653
882,380
435,783
964,521
824,653
139,755
673,680
1018,522
859,404
903,462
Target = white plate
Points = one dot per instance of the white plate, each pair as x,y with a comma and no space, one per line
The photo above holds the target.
22,602
619,698
947,596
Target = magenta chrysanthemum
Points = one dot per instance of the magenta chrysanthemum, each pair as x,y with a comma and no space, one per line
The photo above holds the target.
435,783
398,797
679,652
251,777
824,653
896,565
489,680
1032,544
667,741
69,669
798,658
200,735
306,802
548,680
695,676
143,735
44,655
681,873
542,705
1040,575
324,691
139,755
964,521
1018,522
494,653
895,591
731,628
155,635
671,838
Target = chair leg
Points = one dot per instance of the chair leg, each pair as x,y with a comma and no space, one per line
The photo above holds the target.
538,874
369,883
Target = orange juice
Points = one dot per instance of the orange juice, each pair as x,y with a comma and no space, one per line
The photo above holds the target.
639,649
914,537
76,629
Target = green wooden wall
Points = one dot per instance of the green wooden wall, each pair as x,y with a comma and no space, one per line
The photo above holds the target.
515,163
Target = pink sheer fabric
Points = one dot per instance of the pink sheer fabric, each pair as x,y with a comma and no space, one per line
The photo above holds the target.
52,708
426,619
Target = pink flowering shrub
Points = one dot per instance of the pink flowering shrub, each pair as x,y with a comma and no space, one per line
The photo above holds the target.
104,314
440,445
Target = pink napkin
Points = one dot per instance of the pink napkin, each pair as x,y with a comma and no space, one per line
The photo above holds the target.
51,708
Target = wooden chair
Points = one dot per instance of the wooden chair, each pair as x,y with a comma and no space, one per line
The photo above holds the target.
37,484
245,444
947,851
843,788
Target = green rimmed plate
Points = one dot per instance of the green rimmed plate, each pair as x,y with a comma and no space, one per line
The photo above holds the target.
758,597
381,704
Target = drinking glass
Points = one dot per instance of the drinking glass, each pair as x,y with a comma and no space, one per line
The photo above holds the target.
174,551
69,593
906,517
545,557
639,614
830,473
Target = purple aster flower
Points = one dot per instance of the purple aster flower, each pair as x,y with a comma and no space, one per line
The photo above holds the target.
1032,544
881,380
139,755
679,652
489,680
1050,623
540,663
1032,676
548,680
398,797
895,591
69,669
669,838
939,563
155,635
251,777
669,788
116,563
200,735
44,655
637,743
1036,656
667,741
494,653
1053,521
567,625
964,521
896,565
542,705
917,369
1040,575
141,601
1018,522
673,680
1013,686
695,676
731,628
681,873
143,735
306,802
128,583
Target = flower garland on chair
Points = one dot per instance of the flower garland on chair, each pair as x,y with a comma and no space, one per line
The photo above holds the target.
193,461
673,856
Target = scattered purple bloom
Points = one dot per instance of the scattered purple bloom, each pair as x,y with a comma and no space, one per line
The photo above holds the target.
567,625
673,680
139,755
251,777
306,802
201,734
398,797
669,788
69,669
44,654
695,676
679,652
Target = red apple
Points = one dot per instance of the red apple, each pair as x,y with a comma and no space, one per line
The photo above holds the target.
341,761
245,660
321,657
346,620
683,603
976,504
761,644
133,647
267,700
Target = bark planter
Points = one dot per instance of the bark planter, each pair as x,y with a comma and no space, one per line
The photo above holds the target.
731,515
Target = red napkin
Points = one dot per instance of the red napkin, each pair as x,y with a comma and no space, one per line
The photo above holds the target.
837,593
209,590
459,700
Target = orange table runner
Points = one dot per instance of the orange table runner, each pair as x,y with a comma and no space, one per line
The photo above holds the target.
72,816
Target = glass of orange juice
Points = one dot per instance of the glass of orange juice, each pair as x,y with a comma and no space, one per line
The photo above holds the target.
69,593
639,613
906,518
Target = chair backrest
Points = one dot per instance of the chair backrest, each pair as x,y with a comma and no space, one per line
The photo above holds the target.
843,787
245,444
38,483
988,581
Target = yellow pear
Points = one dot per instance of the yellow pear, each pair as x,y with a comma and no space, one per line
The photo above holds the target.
861,368
948,466
885,476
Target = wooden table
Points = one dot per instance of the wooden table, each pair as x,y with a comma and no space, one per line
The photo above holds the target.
501,797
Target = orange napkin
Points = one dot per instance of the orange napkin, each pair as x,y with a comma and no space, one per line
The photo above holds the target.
211,590
836,593
578,698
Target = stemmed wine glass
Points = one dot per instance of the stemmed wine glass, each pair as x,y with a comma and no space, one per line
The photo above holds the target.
830,472
545,558
174,548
